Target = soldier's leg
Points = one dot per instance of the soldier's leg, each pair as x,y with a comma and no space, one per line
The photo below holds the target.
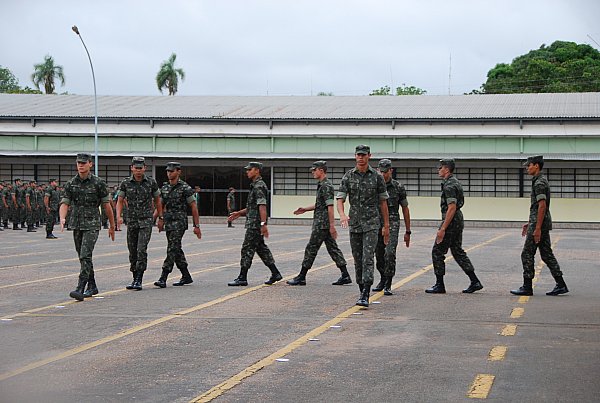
459,254
335,252
179,256
144,235
169,261
247,254
88,242
438,257
50,223
547,255
266,256
312,248
132,246
369,245
356,244
380,255
528,256
390,251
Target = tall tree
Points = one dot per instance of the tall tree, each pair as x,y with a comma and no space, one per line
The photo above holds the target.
8,81
560,67
168,75
46,73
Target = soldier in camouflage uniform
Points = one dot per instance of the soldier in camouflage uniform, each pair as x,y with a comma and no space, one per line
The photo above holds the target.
323,228
3,205
256,228
230,205
51,202
84,193
176,195
365,189
140,191
386,254
18,197
450,232
7,205
537,231
31,206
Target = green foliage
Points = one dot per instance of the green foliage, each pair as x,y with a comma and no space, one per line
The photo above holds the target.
168,75
402,90
325,94
8,81
46,73
560,67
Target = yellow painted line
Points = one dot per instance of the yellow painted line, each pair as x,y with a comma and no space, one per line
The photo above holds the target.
481,386
509,330
523,299
235,380
497,353
517,312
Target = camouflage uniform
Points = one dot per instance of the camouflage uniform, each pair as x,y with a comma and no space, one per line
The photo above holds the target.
53,203
85,197
30,211
3,207
540,190
17,205
175,199
231,200
320,229
452,192
139,216
386,254
365,191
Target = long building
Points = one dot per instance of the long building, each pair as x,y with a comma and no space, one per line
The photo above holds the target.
214,137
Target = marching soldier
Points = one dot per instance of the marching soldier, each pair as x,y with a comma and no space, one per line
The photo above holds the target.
323,229
386,254
51,202
176,195
140,191
537,231
17,196
365,189
31,206
256,228
230,205
85,192
449,234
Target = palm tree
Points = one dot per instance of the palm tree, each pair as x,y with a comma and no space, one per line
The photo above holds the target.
46,73
167,75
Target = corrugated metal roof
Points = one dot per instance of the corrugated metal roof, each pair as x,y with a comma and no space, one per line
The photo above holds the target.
424,107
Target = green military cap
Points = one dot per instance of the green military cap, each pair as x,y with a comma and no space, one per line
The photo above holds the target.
534,159
51,180
449,162
138,161
254,164
171,166
84,157
32,181
384,165
17,180
362,149
319,164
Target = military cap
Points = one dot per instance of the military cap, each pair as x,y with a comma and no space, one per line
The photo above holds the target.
138,161
17,180
84,157
534,159
449,162
362,149
51,180
32,181
171,166
319,164
384,165
254,164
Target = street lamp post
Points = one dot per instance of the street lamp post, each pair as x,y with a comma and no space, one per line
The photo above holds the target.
76,30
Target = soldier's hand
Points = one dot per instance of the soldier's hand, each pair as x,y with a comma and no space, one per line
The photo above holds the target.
198,232
344,221
333,232
233,216
524,231
440,236
111,233
385,231
300,210
264,231
407,239
537,235
120,221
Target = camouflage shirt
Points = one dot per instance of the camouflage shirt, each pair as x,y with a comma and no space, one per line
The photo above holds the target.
85,196
452,192
175,199
30,194
540,190
257,197
231,200
139,197
19,193
397,198
365,191
322,203
53,197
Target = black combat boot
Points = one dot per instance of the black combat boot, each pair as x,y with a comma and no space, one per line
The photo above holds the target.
50,235
381,284
300,279
364,296
16,227
344,278
526,289
438,287
78,292
162,281
560,288
387,290
92,289
241,280
229,224
475,284
186,278
130,286
30,228
275,275
137,281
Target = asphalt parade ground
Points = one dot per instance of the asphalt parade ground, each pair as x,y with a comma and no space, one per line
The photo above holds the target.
308,343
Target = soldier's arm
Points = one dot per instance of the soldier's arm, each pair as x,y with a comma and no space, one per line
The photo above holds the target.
302,210
47,202
28,201
449,216
120,209
331,216
111,219
537,233
195,219
262,211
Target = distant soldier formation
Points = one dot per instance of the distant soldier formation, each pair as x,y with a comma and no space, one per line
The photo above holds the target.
85,205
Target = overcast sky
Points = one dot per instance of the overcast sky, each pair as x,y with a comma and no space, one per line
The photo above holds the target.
284,47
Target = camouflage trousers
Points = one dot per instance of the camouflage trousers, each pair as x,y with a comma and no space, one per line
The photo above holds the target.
175,255
528,254
453,241
363,246
254,242
30,216
51,220
317,237
137,243
85,240
386,254
18,215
